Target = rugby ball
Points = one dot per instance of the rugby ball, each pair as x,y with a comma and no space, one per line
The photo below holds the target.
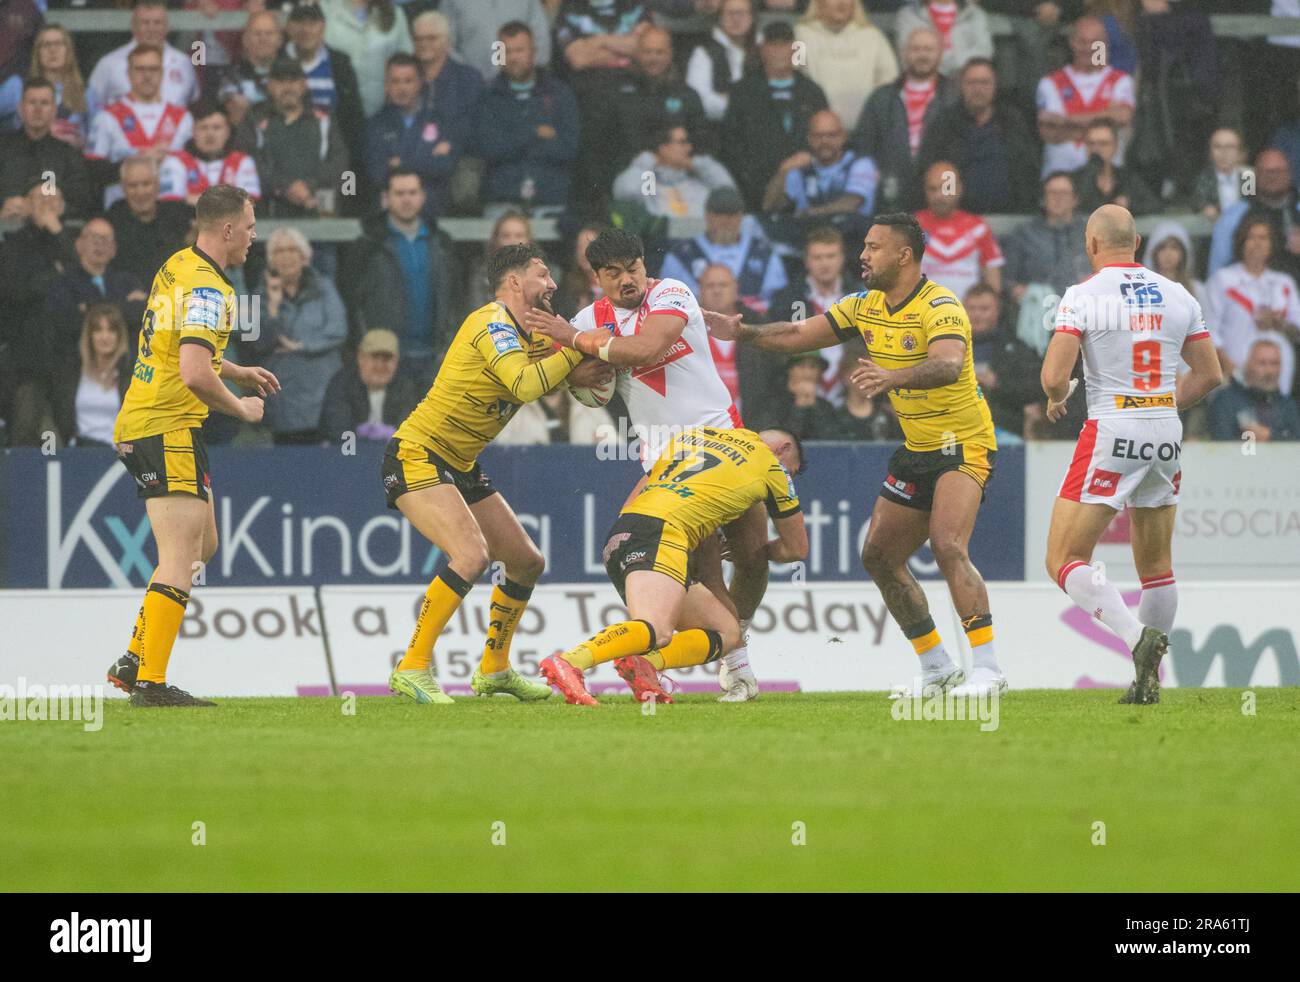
596,396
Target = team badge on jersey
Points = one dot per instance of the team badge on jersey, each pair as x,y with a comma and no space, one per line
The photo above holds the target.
504,337
909,341
204,309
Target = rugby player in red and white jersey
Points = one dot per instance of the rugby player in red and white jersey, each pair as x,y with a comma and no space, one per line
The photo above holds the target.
667,379
1133,326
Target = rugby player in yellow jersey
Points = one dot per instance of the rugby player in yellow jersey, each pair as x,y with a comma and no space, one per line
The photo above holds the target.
432,475
919,351
705,478
179,375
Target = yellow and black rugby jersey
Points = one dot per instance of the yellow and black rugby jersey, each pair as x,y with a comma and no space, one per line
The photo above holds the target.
492,367
707,477
191,302
899,337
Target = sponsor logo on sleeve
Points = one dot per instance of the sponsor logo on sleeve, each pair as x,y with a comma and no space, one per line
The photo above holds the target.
504,337
204,308
940,301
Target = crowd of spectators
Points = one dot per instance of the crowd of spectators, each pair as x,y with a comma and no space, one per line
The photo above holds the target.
777,127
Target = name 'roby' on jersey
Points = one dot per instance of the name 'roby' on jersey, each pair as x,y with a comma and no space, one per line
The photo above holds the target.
1132,324
680,390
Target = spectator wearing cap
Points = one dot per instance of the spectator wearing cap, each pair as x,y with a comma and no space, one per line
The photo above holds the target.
860,417
304,326
1072,97
32,152
845,54
141,123
111,80
371,396
671,180
721,60
299,152
530,147
92,279
768,115
1275,200
206,160
960,249
654,96
804,412
899,116
962,27
146,229
597,40
241,86
1101,181
452,89
1252,401
825,184
408,134
398,276
475,27
988,138
369,32
729,241
31,258
331,79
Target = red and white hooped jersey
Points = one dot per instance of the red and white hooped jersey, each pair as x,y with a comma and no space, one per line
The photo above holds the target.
1133,324
126,128
682,389
182,174
1068,92
957,248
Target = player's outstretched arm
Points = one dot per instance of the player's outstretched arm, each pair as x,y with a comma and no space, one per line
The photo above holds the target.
200,378
790,337
1205,375
791,542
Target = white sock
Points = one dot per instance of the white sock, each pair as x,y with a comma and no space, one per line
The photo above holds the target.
936,656
983,657
738,659
981,654
1089,588
1159,602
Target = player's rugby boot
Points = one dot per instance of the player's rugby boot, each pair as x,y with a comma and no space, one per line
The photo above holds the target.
936,680
1151,647
737,684
568,680
155,695
512,684
981,682
419,684
122,673
638,673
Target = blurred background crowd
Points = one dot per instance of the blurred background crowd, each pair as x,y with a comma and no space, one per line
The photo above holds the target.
389,146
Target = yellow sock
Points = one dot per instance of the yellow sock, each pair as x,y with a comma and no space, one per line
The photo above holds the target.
508,603
164,609
136,647
617,640
442,598
693,647
924,636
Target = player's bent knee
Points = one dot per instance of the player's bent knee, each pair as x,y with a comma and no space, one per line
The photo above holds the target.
470,563
948,552
532,566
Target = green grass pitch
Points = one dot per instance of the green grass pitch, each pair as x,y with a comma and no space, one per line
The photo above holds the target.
296,795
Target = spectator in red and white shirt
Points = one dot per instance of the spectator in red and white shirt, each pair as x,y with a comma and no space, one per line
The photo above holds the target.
960,249
1072,97
207,160
110,79
141,123
962,27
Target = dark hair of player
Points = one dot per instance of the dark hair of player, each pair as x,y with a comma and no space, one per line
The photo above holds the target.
513,28
614,245
36,82
511,259
146,49
906,226
824,235
402,60
219,202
